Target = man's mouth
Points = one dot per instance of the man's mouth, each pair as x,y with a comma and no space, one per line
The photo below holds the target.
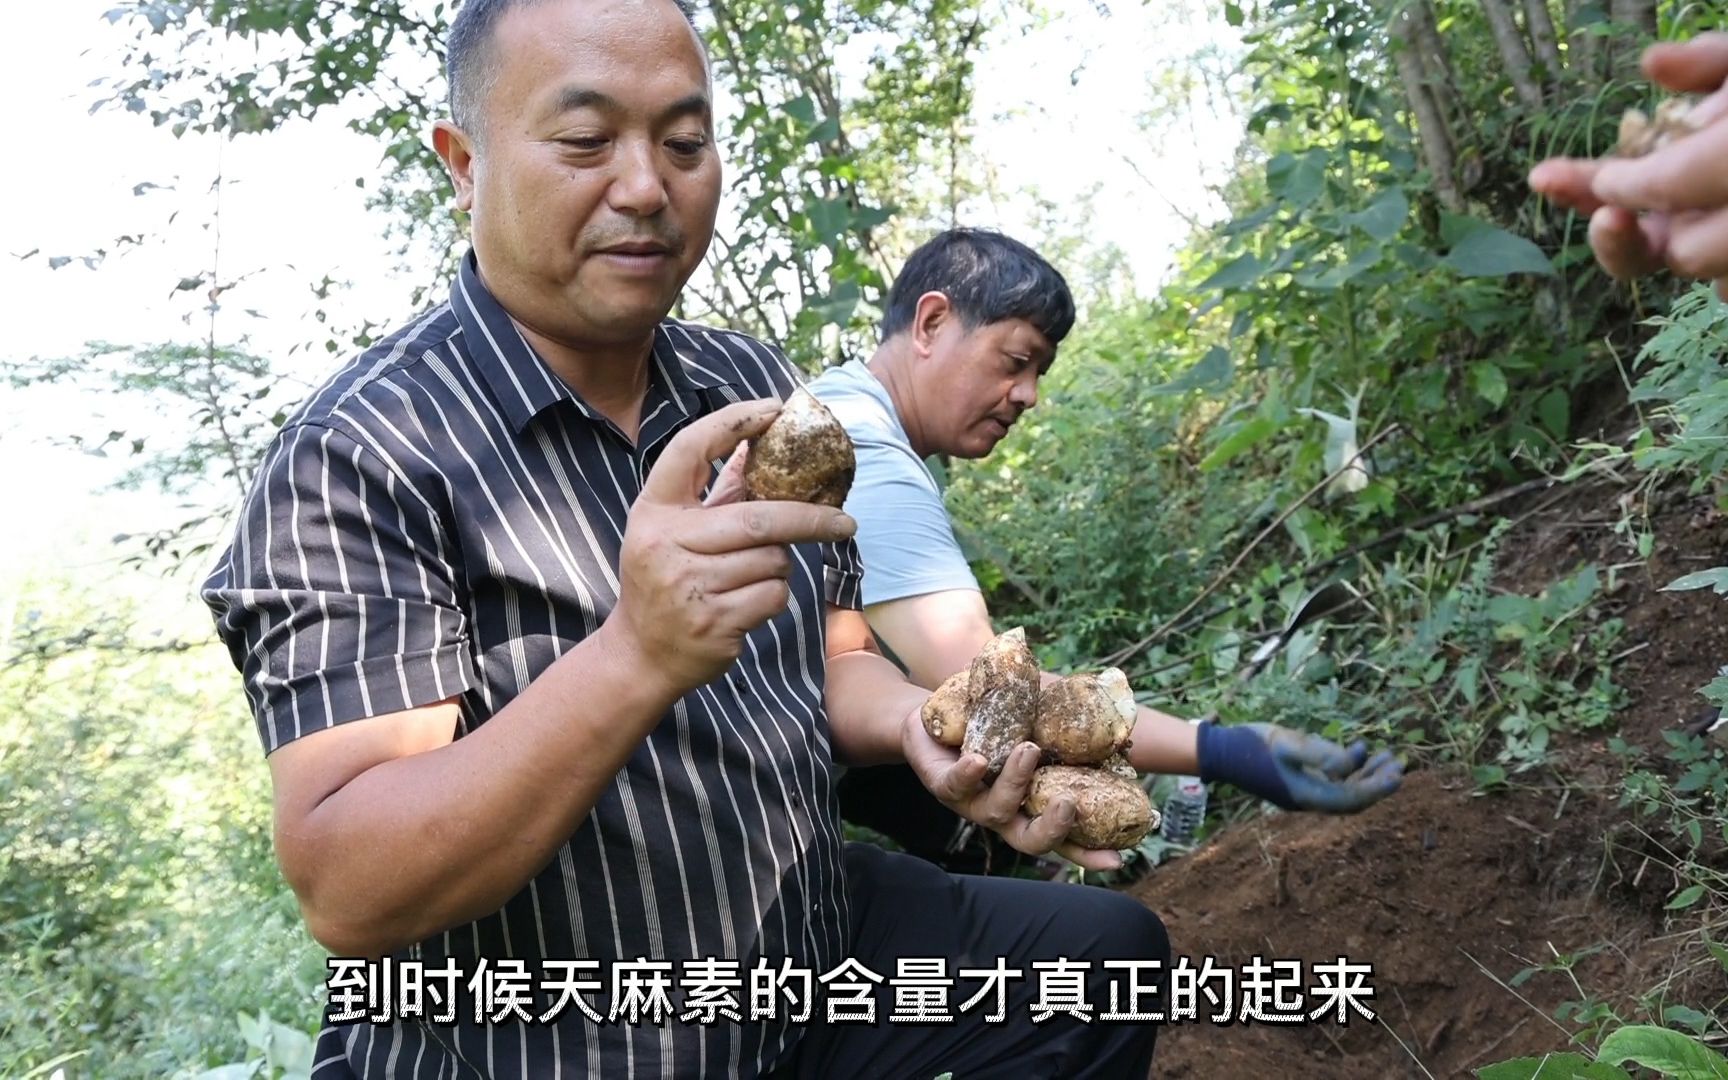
646,258
636,248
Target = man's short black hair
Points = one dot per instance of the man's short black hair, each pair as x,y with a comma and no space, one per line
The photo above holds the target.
468,67
987,277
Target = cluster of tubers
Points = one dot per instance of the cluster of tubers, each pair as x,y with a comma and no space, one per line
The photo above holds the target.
1081,722
1641,134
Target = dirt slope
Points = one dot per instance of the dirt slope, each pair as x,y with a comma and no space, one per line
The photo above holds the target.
1449,893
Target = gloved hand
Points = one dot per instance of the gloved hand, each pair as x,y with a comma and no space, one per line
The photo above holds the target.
1295,770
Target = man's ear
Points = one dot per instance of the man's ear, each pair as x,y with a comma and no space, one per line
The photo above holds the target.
932,312
456,149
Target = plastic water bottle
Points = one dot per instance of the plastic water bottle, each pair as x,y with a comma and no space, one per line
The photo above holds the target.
1184,810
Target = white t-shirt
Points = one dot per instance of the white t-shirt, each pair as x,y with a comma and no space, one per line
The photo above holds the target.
904,535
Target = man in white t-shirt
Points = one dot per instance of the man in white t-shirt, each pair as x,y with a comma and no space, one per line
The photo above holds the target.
972,322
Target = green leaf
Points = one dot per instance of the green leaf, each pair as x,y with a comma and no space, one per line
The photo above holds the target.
1240,271
1250,222
1212,372
868,217
290,1048
1668,1052
1489,381
1566,1066
1686,1017
827,131
1297,179
1469,679
1232,13
1383,217
1554,410
1455,227
1686,898
1717,950
1363,260
1491,252
830,218
1714,578
837,307
1244,438
1574,591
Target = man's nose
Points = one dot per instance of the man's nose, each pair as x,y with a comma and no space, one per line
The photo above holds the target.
1025,392
637,188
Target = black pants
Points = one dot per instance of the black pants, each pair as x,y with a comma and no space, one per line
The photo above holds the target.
893,801
905,907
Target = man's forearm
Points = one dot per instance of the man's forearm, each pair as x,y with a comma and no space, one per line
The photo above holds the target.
1163,744
422,843
868,699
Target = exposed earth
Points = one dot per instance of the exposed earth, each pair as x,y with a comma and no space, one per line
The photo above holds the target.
1450,893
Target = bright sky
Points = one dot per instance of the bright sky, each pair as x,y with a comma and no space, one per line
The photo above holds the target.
1057,108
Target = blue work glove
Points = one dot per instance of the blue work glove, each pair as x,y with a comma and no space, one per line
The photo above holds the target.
1295,770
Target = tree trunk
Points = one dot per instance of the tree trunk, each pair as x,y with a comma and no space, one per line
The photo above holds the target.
1509,40
1634,27
1431,128
1639,15
1540,22
1584,48
1436,64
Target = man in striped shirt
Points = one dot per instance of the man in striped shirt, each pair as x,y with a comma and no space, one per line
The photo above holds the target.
552,717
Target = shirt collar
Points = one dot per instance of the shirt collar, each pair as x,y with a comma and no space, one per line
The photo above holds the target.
526,386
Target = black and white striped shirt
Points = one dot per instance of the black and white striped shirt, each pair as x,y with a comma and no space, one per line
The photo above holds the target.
443,518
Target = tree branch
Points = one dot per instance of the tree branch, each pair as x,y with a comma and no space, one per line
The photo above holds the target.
1436,62
1509,40
1540,22
1583,46
1431,127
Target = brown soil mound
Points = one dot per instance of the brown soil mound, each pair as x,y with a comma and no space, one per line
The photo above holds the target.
1436,889
1449,894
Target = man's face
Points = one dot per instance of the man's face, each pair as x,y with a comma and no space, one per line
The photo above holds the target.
594,180
978,382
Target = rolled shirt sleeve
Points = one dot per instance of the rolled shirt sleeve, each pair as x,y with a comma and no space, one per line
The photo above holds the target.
338,598
843,575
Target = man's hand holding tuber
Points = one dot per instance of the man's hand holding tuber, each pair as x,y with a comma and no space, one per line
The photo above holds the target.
958,781
696,576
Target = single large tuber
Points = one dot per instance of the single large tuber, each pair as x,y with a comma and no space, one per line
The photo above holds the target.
1001,699
1083,719
804,456
1110,810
